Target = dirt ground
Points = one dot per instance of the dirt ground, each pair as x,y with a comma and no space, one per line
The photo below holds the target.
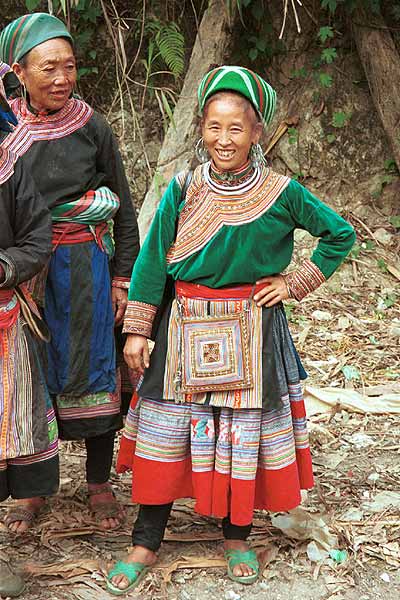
348,335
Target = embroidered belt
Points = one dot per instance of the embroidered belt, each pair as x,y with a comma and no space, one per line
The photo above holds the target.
202,292
70,233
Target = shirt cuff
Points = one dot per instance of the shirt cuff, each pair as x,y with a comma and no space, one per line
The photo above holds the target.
304,280
121,282
10,276
139,318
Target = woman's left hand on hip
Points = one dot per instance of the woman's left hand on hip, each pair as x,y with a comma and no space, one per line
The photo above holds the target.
119,299
275,291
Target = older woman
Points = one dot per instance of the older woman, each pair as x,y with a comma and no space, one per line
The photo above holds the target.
221,416
74,159
28,440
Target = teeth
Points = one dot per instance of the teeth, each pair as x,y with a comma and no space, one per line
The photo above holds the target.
225,153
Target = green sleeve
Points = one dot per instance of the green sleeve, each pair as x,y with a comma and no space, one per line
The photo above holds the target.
150,270
336,235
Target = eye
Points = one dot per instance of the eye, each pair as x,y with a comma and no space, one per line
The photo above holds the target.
70,67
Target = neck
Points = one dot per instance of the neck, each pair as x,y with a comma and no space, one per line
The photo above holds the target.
230,176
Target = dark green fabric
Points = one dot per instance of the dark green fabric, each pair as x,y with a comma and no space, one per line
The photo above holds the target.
244,253
28,31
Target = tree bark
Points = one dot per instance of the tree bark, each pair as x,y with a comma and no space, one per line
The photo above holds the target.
177,150
381,62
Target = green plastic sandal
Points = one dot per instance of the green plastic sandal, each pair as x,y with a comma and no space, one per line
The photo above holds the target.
249,558
134,571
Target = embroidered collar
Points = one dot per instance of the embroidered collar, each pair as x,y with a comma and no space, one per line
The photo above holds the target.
33,128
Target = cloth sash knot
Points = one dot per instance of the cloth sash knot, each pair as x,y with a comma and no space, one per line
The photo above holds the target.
86,218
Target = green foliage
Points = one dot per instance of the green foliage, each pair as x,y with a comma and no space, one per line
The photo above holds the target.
171,45
329,5
330,138
31,5
390,166
325,33
301,73
325,79
395,221
340,119
328,55
293,135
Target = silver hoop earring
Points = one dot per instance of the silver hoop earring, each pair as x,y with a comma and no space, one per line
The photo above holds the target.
201,151
23,92
256,156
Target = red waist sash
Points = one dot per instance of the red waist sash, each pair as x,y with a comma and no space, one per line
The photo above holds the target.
10,315
71,233
236,292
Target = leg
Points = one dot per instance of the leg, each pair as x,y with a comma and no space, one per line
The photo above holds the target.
30,480
147,536
235,544
99,456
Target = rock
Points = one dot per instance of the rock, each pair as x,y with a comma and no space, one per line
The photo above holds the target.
383,236
231,595
321,315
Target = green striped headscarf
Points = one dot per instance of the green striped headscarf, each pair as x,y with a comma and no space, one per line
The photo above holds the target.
27,32
242,81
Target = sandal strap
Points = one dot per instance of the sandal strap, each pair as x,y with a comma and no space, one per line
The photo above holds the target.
131,570
236,557
104,488
20,514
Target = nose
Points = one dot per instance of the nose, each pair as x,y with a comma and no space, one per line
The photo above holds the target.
61,77
224,138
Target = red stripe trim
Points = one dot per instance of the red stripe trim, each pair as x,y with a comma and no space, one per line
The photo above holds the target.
14,37
195,290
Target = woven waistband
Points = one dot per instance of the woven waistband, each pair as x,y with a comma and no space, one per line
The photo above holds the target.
237,292
71,233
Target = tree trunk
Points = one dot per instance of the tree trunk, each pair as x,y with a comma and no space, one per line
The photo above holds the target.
381,62
178,147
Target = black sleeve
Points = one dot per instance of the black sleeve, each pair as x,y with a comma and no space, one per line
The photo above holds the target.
126,232
32,228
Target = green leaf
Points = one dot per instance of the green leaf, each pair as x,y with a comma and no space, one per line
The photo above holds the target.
325,80
355,251
340,119
395,221
329,5
171,44
324,33
302,72
257,10
351,373
330,138
293,135
396,12
390,165
328,55
253,53
382,265
93,54
32,4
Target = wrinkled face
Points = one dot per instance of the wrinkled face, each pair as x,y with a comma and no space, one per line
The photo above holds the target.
229,127
49,74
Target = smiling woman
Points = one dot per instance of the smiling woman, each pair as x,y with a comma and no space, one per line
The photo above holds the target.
74,160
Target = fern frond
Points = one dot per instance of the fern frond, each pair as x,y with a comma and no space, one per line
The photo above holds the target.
171,44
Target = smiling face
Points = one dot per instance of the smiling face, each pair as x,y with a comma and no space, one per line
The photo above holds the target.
49,74
229,126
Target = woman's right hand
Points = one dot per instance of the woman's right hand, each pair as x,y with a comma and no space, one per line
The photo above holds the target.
136,353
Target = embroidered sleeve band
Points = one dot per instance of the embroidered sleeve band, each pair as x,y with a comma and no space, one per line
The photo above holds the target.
304,280
139,318
10,275
121,282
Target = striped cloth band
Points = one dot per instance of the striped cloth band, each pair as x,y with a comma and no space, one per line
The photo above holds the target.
242,81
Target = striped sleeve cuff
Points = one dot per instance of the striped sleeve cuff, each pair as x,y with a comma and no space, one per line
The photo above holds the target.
121,282
304,280
139,318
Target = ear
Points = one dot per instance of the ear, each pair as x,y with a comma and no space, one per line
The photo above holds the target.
257,131
18,70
